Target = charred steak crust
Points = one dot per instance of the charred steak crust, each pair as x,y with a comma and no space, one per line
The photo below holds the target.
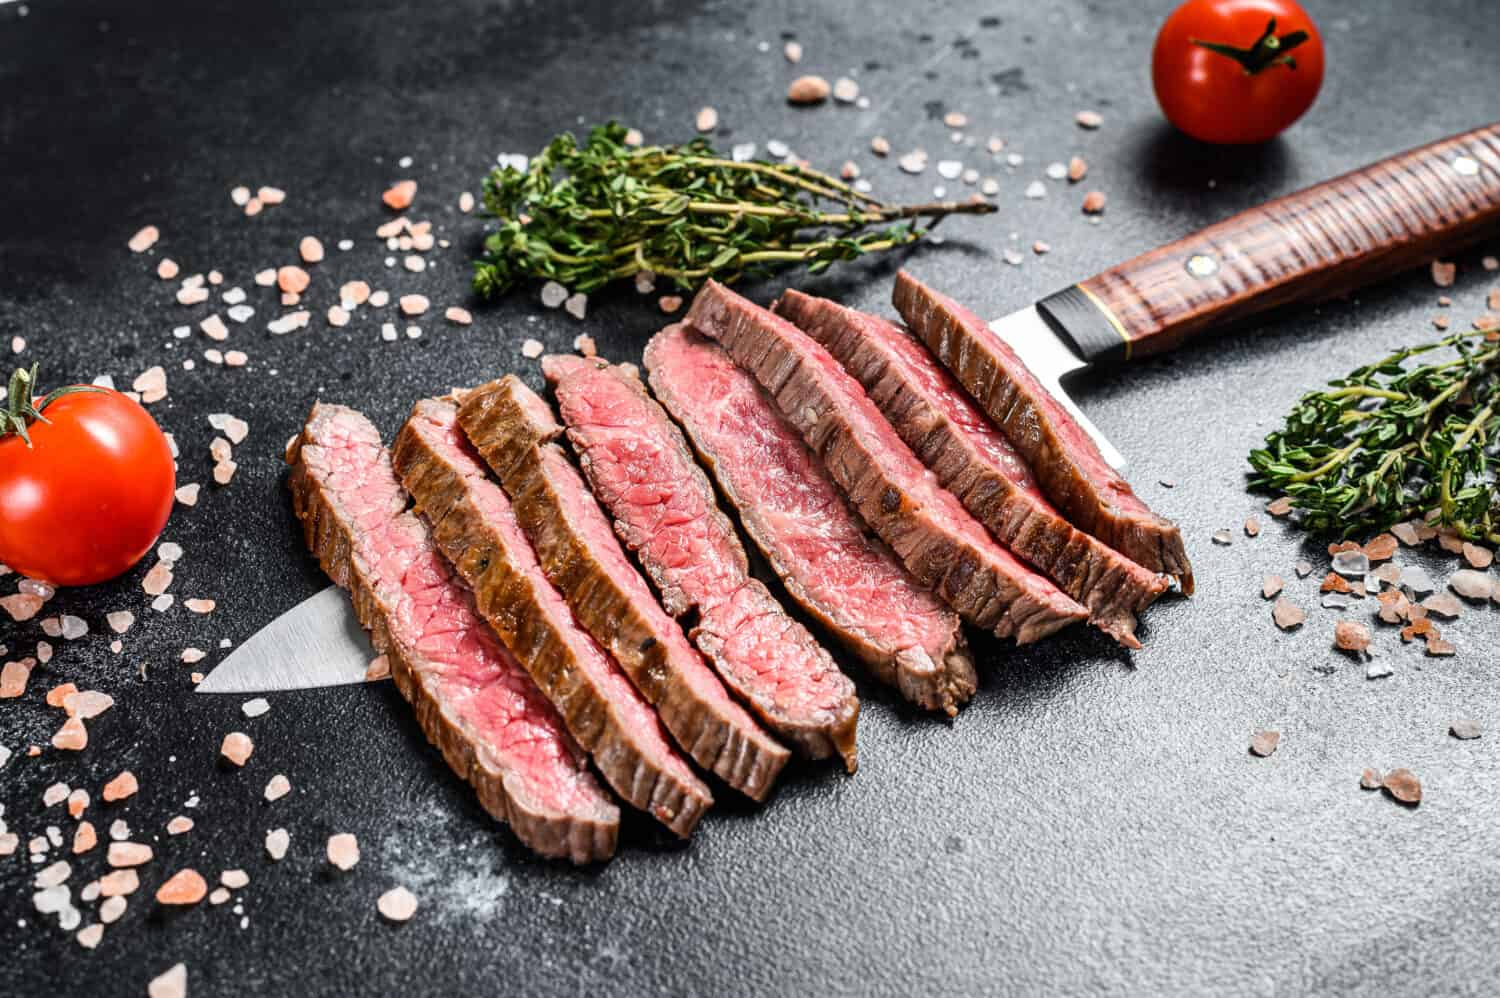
938,541
513,429
473,524
340,538
849,581
1066,461
663,507
975,462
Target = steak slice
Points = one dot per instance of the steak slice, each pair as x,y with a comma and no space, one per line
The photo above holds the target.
472,698
514,431
1061,453
798,518
475,527
939,542
663,508
975,462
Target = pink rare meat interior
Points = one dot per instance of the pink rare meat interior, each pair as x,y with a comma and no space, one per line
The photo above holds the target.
459,667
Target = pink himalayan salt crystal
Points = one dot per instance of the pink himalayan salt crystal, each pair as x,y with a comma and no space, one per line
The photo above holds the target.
170,983
278,787
121,787
122,854
72,736
343,850
144,239
397,904
237,747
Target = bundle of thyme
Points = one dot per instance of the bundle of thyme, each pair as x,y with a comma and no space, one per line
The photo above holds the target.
1391,443
588,215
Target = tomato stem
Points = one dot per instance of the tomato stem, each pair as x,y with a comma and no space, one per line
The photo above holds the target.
21,406
1268,50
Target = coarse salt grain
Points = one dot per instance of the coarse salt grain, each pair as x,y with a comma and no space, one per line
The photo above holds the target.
126,854
122,786
397,904
152,384
277,841
87,704
255,707
458,316
414,305
144,239
292,280
400,195
237,747
180,825
343,850
553,294
277,787
72,736
170,983
119,883
532,349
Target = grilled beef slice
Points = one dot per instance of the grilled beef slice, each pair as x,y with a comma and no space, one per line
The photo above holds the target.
664,510
513,429
475,527
473,700
939,542
789,506
974,461
1064,458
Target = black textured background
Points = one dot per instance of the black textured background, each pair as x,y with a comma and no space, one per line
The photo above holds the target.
1091,823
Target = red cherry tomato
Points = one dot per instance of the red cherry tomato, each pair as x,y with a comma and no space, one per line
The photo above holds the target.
89,496
1237,71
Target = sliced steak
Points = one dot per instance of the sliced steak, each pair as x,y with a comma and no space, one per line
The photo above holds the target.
939,542
475,527
974,461
473,700
513,429
789,506
664,510
1064,457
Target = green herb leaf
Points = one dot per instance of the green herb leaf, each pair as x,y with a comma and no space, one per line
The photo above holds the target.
1396,441
590,215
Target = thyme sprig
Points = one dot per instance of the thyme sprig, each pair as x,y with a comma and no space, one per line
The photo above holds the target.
588,215
1390,442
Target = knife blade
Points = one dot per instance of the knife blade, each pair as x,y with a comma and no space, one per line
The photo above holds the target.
1318,243
318,642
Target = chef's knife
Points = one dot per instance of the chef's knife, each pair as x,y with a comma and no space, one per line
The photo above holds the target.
318,642
1316,244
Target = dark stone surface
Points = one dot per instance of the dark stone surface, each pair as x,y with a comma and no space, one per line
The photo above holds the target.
1092,823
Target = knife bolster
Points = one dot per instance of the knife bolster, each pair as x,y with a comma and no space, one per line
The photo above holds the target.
1086,325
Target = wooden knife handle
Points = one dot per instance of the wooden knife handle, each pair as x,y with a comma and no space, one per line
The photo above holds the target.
1318,243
